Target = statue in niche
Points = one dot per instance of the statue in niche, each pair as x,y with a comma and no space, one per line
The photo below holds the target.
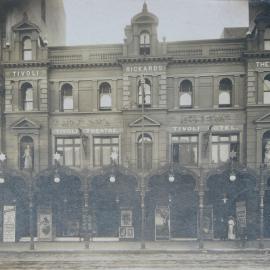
267,153
27,157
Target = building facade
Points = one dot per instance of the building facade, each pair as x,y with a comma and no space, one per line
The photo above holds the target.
145,140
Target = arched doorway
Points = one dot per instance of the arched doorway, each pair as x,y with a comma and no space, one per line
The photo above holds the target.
14,208
235,200
58,206
114,204
171,206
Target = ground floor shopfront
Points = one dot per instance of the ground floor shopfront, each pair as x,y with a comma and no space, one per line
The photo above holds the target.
61,204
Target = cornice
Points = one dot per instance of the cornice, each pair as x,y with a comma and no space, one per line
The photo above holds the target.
252,54
24,64
140,59
83,65
205,60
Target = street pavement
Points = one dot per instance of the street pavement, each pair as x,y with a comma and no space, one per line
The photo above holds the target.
123,256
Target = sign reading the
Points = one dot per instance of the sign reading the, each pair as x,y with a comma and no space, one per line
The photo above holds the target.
263,64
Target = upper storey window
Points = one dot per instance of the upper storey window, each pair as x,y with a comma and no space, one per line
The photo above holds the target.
27,49
67,97
267,39
225,93
266,89
105,97
145,92
185,94
27,97
144,43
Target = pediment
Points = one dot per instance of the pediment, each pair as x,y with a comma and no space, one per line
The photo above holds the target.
25,25
25,124
148,122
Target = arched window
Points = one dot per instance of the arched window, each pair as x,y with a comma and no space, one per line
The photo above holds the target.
144,92
105,97
225,93
26,153
266,89
27,49
147,155
27,97
267,39
144,43
185,94
67,97
266,148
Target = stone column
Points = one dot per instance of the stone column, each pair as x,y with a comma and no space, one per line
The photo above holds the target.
261,193
201,206
85,215
31,214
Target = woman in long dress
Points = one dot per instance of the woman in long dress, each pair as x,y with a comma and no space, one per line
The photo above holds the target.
231,228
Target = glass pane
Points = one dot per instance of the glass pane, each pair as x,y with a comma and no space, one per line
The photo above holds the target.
28,105
266,85
267,44
214,138
266,97
27,44
194,139
214,153
184,139
175,139
68,153
68,103
27,55
68,141
175,152
145,38
59,141
77,156
105,101
97,156
97,140
106,141
224,138
234,138
195,154
106,155
224,152
185,99
224,98
115,140
148,156
77,141
147,100
29,94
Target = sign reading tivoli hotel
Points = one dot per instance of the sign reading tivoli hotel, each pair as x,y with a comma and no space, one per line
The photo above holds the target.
206,106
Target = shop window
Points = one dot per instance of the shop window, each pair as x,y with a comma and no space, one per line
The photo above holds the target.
103,149
27,49
27,97
225,93
26,153
144,93
147,155
267,39
144,43
266,89
105,97
67,97
185,94
69,150
185,149
223,145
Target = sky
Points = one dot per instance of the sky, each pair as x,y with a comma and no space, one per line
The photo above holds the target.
103,21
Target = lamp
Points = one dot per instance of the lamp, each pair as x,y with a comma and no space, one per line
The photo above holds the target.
57,178
232,176
112,179
232,173
171,178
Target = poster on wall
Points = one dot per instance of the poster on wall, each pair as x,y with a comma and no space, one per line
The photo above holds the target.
241,217
207,222
9,223
162,223
45,225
